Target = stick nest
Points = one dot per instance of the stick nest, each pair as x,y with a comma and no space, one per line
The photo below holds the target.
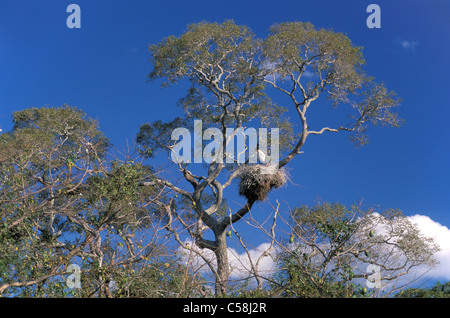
256,181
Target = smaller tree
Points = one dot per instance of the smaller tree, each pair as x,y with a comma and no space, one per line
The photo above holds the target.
44,162
64,201
162,277
332,247
438,290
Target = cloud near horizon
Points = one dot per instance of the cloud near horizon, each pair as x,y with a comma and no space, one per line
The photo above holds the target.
241,266
441,235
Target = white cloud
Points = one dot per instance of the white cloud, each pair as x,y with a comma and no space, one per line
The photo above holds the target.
431,229
241,266
239,260
441,235
408,44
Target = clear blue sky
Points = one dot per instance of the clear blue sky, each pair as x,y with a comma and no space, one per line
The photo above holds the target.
102,69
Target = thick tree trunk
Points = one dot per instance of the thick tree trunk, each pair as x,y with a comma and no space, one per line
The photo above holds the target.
223,268
221,250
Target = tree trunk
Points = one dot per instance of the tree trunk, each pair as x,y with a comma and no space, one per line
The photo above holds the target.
223,268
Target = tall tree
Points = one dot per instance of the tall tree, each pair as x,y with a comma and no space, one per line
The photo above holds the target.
231,71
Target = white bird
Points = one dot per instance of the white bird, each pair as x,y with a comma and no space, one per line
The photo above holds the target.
262,156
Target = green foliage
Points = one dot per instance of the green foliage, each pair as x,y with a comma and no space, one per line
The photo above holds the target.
438,290
294,49
58,196
331,54
230,70
300,279
41,159
203,43
332,223
155,136
246,289
331,247
233,76
157,280
63,200
60,128
222,62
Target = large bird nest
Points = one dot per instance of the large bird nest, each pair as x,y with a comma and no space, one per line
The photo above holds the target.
256,181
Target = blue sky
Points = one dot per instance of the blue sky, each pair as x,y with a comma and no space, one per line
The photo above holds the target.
102,68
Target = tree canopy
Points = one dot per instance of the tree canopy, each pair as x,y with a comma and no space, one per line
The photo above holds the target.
231,72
